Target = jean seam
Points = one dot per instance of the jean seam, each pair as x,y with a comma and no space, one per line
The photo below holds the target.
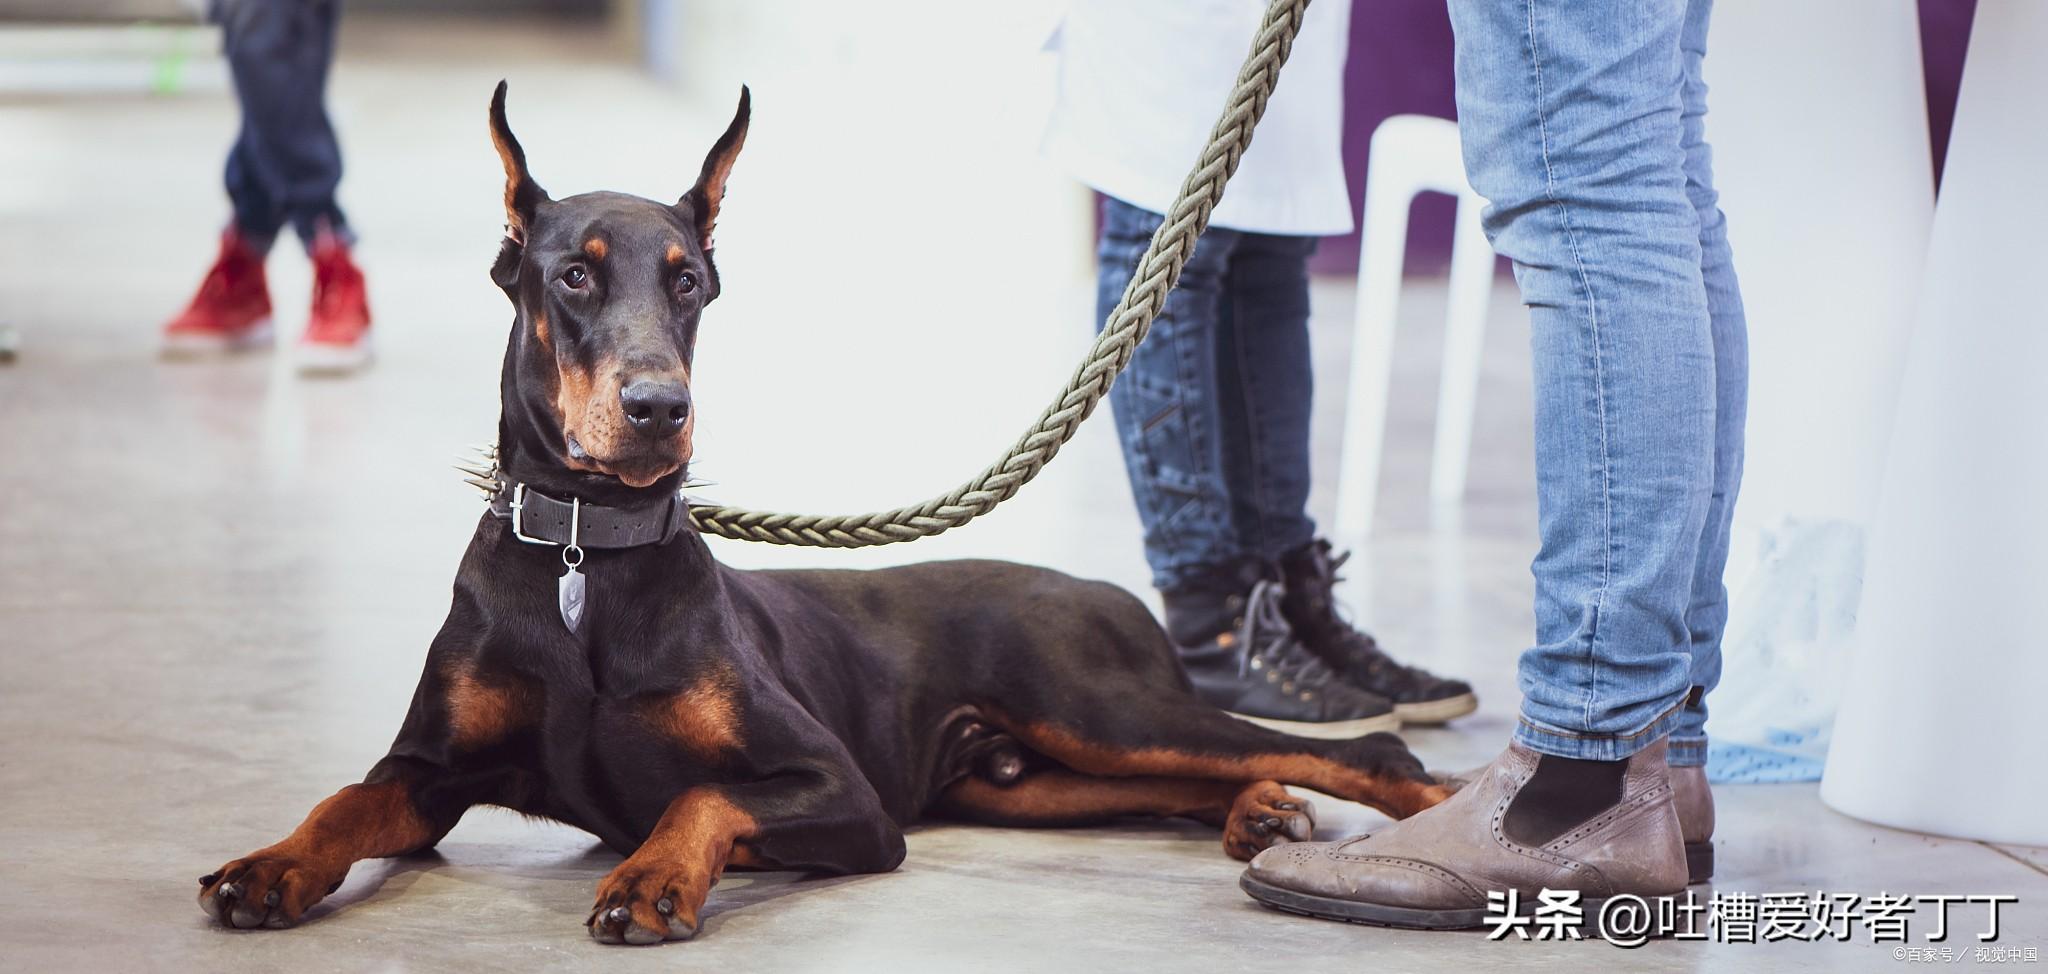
1670,713
1254,449
1133,257
1204,431
1599,380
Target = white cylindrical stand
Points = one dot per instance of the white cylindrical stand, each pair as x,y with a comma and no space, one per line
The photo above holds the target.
1941,727
1818,124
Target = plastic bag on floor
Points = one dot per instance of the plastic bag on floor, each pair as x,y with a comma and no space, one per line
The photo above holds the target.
1785,656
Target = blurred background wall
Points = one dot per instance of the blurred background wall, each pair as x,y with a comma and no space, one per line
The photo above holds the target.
1400,59
909,128
106,10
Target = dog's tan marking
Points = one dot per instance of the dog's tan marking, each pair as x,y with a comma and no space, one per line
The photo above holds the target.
540,329
705,717
1396,796
572,394
1054,796
710,188
701,833
596,248
516,177
482,712
365,821
514,226
676,253
1058,797
587,404
1258,802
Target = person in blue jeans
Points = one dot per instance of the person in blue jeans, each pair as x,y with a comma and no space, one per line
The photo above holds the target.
282,171
1213,411
1583,126
1213,415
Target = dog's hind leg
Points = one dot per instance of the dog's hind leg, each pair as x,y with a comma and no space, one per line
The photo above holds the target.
1082,674
1253,815
1119,729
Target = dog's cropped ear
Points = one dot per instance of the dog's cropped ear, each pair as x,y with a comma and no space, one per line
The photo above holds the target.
523,196
703,198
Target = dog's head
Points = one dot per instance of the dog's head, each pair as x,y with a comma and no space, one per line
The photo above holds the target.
609,289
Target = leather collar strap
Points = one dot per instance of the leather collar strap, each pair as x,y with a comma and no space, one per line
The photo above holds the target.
536,517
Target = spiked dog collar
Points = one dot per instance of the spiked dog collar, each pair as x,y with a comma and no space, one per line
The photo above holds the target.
571,525
539,519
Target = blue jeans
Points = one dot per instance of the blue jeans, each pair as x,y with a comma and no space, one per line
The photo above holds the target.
1583,127
1213,411
285,163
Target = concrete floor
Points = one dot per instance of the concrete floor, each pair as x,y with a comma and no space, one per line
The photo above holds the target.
216,582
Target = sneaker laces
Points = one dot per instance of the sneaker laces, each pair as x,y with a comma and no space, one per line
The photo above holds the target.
1268,637
1359,643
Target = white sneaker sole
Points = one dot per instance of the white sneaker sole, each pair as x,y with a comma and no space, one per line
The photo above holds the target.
1334,730
258,337
319,359
1437,711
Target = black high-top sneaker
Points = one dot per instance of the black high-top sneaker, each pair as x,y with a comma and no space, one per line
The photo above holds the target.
1241,656
1311,607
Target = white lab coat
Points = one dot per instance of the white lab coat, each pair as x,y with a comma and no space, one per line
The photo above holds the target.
1140,82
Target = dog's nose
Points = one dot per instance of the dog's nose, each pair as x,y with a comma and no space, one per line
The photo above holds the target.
655,407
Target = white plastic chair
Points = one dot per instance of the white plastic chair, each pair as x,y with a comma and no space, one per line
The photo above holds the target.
1411,155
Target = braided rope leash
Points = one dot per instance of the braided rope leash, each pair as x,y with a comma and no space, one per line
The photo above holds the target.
1158,272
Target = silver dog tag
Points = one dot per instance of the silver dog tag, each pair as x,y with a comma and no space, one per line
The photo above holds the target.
570,589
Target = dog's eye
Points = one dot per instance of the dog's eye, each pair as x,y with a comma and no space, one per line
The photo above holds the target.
686,282
574,278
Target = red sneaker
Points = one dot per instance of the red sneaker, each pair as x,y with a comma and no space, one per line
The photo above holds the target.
231,312
338,332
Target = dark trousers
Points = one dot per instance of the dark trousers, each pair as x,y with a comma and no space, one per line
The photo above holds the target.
1213,411
285,163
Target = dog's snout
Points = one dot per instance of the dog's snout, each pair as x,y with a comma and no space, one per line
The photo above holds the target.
655,407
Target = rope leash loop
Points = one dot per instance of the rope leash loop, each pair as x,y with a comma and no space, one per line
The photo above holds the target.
1158,271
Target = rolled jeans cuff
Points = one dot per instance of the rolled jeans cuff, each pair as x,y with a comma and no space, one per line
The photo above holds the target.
1687,752
1548,739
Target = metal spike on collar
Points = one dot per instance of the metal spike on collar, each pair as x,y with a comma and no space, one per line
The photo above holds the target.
481,464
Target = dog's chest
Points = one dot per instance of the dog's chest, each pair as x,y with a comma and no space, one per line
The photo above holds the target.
603,763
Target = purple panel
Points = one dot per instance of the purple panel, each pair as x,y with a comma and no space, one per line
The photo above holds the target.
1944,39
1401,63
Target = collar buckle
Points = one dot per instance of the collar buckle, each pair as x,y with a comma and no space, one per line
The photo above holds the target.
518,506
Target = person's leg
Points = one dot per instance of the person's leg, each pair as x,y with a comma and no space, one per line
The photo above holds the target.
1267,387
1265,390
279,52
231,311
1572,124
1166,408
258,217
1707,616
1570,112
1222,608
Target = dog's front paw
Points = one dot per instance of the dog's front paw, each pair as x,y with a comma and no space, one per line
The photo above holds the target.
265,890
647,904
1263,816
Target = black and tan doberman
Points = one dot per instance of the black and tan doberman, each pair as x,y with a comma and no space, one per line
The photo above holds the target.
696,717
